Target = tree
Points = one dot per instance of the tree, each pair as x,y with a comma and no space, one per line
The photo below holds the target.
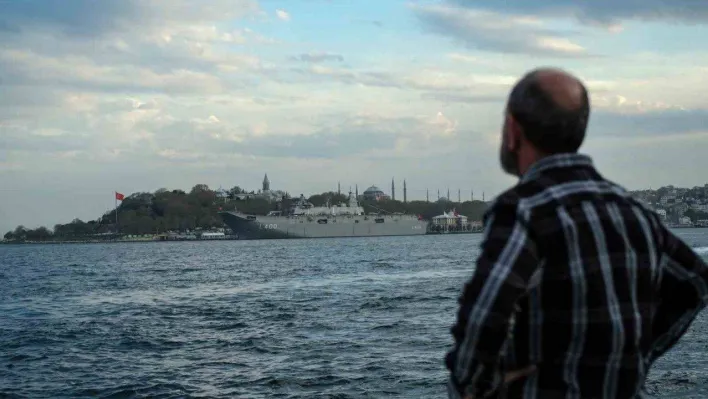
696,215
20,232
199,187
234,191
39,234
332,197
9,236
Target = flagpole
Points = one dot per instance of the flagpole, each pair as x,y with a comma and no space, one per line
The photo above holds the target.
115,198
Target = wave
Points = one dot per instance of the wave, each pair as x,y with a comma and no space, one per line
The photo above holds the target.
701,250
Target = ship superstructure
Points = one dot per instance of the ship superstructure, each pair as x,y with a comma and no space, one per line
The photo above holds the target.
304,220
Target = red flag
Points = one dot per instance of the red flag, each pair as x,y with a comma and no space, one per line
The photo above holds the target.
119,196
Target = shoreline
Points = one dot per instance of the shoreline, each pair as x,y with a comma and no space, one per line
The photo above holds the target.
235,238
129,241
145,241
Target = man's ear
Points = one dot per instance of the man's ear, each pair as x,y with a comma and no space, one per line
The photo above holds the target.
512,132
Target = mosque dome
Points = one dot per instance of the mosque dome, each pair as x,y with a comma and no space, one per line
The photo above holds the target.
373,190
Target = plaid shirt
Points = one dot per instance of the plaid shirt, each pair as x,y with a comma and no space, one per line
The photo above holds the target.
577,278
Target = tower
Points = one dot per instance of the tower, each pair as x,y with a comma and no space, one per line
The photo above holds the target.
471,195
427,195
438,194
357,191
393,190
266,183
339,188
448,194
459,196
405,191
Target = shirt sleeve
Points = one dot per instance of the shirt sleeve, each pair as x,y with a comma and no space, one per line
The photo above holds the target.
507,261
683,292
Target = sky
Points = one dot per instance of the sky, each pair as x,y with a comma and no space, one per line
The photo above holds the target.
137,95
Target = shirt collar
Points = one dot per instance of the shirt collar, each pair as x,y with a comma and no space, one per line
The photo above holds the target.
565,160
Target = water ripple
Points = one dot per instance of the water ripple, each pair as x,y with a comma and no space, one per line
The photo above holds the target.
359,318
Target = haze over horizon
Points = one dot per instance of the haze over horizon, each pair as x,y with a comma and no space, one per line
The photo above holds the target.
134,95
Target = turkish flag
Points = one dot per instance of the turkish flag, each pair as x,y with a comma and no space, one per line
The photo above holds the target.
119,196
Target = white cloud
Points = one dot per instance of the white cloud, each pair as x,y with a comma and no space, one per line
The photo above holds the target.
561,45
490,31
282,15
601,12
317,57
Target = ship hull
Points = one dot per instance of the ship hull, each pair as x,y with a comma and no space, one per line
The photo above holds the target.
274,227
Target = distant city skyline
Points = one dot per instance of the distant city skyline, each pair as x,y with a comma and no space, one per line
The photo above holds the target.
133,96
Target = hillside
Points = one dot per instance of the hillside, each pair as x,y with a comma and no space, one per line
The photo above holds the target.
177,210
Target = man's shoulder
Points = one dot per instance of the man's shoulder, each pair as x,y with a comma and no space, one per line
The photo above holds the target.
519,194
559,188
508,198
506,203
531,194
627,196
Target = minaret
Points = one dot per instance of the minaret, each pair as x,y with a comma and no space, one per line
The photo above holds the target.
471,195
427,195
448,194
405,192
357,191
459,196
482,196
339,188
438,194
393,190
266,183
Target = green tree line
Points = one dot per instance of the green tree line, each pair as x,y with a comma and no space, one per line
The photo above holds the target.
177,210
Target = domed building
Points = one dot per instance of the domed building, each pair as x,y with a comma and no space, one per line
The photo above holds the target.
374,193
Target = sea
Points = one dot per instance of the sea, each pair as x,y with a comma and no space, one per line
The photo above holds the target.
323,318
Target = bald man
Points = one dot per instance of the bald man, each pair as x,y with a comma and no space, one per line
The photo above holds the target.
578,288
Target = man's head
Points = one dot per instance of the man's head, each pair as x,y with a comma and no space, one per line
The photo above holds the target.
547,113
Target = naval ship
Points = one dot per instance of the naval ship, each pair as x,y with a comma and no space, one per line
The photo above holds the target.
303,220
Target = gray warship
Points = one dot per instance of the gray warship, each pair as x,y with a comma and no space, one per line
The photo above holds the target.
303,220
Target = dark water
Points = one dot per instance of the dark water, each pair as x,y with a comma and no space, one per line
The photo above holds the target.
351,318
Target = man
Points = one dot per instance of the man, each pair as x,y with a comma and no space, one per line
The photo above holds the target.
578,288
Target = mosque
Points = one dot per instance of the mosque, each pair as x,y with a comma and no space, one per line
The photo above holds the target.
374,193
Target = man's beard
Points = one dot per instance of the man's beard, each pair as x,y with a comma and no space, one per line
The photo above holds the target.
508,159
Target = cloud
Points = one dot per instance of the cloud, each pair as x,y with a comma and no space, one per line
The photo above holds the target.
318,57
463,98
25,138
497,32
376,23
604,12
129,45
337,135
27,68
431,80
88,18
647,124
282,15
